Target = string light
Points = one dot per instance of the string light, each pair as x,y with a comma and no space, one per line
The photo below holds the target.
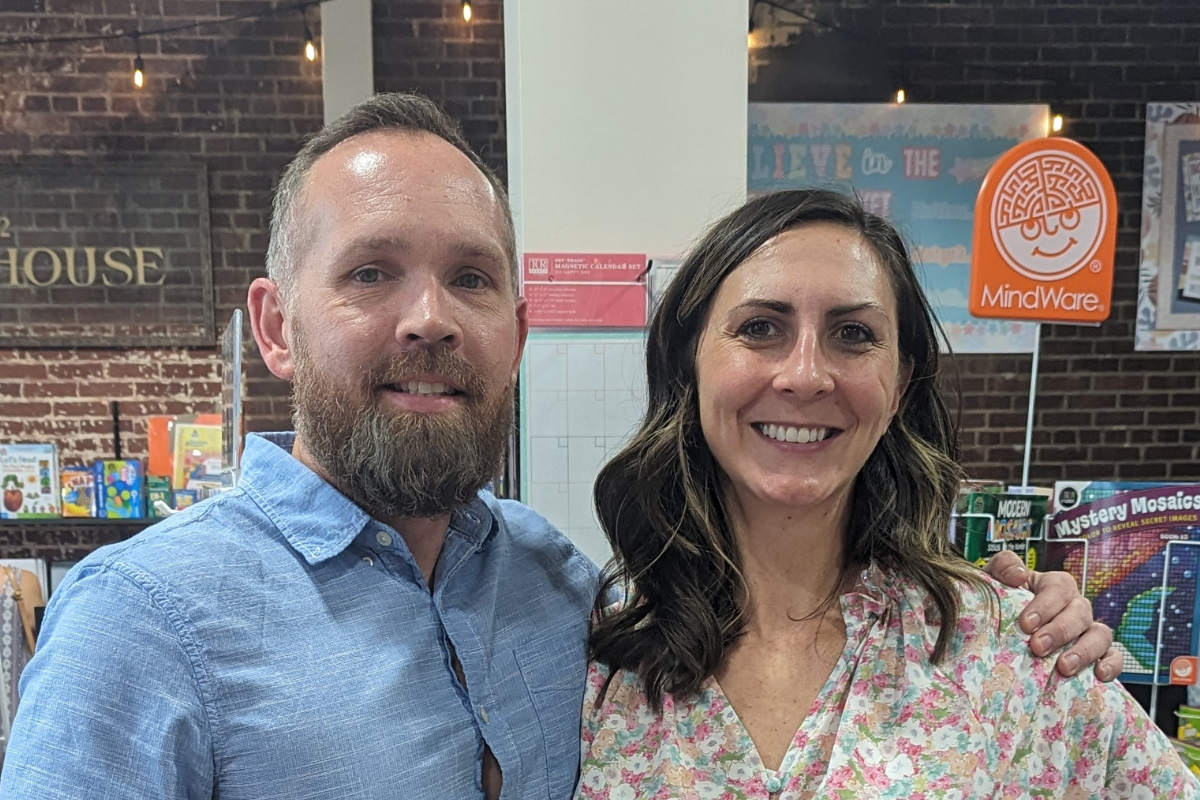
139,66
310,49
900,97
466,9
1056,124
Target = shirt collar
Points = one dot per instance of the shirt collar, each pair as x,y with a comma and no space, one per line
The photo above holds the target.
315,518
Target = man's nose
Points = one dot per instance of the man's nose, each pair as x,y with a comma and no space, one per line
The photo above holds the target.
806,371
429,318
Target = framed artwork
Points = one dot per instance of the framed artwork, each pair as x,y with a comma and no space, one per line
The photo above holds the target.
1168,310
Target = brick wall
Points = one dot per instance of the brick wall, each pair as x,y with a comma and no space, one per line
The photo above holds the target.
1103,410
427,47
237,97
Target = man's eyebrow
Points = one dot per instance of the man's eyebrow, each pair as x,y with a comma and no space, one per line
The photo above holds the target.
468,251
474,251
372,244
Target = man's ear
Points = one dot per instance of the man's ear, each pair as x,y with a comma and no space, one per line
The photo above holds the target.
272,330
522,335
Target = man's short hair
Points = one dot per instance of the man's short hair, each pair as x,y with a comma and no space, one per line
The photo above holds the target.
406,113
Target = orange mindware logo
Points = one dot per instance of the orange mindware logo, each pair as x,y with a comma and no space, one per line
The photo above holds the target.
1045,235
1183,670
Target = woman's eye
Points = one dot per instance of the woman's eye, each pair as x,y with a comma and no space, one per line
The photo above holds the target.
855,334
367,275
757,329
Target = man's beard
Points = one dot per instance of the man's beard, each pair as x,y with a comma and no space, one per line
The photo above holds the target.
393,463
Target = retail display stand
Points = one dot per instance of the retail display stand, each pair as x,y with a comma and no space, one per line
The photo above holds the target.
231,399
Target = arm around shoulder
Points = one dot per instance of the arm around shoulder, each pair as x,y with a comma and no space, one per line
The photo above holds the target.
1090,736
111,705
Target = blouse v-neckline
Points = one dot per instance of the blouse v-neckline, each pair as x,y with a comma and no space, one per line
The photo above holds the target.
830,698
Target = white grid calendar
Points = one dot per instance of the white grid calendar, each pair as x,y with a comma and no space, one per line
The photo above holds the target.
582,397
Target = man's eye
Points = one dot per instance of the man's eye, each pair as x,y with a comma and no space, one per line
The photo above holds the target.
471,280
367,275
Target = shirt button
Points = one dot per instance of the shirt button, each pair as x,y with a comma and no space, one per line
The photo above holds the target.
483,715
774,784
384,538
370,561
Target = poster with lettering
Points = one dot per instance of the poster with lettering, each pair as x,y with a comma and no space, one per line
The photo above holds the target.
1168,309
585,290
919,165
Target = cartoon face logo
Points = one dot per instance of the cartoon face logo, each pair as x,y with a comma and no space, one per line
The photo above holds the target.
1049,215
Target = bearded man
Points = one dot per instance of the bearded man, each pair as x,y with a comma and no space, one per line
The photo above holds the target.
359,618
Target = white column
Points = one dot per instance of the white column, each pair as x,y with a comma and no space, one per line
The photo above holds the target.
347,66
626,120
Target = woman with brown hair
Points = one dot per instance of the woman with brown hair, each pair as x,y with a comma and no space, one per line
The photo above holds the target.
796,623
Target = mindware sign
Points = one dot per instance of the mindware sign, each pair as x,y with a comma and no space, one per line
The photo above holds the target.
1045,236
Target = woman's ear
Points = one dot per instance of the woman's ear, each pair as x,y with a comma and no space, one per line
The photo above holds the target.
902,382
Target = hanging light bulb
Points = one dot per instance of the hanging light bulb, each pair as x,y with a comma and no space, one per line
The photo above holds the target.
900,97
310,49
466,9
139,66
1056,124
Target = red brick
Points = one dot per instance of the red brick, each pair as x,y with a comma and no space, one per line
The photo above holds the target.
23,410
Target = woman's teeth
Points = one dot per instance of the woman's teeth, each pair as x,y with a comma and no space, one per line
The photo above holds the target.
786,433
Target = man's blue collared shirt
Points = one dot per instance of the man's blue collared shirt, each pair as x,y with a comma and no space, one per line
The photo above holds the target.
277,642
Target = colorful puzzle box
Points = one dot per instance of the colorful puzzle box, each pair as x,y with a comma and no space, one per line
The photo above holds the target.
120,489
1135,550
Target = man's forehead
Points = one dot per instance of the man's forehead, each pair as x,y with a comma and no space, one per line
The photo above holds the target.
393,154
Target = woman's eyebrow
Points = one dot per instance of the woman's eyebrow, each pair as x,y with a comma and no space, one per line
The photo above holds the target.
778,306
847,310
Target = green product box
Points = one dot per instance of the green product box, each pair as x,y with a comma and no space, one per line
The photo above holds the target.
1018,518
158,487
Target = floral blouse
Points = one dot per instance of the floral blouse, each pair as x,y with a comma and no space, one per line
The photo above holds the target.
991,721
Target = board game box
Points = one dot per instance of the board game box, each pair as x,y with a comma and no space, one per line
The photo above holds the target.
78,492
1135,550
120,489
1011,521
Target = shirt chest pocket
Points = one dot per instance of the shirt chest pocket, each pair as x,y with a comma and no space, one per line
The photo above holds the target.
548,681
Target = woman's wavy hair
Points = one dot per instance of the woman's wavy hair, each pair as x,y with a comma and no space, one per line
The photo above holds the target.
660,500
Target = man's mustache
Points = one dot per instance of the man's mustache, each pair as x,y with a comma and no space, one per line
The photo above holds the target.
409,366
